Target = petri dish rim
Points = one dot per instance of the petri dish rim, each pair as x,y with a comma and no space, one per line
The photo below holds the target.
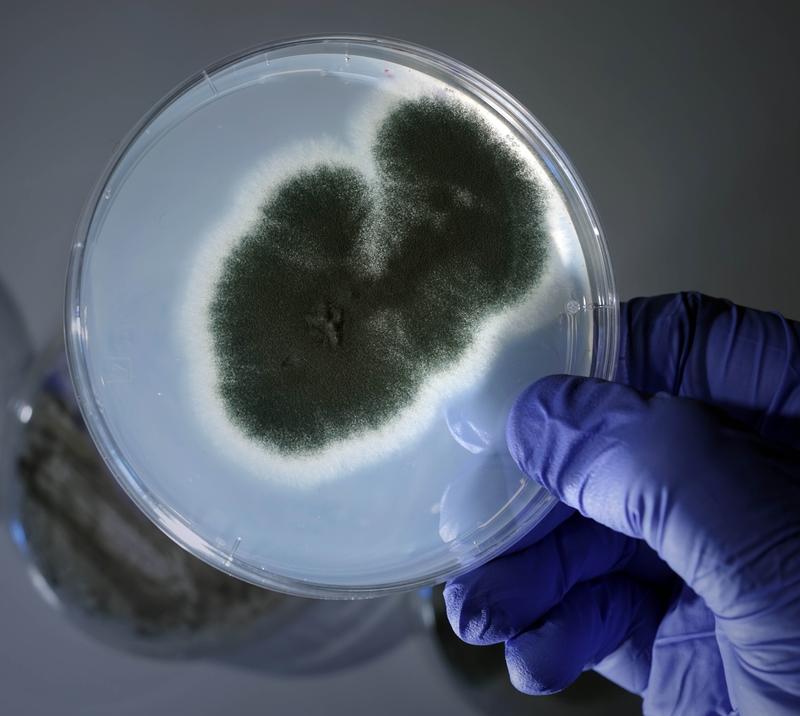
603,307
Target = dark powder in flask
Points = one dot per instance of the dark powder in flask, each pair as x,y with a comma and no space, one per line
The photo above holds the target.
108,565
346,294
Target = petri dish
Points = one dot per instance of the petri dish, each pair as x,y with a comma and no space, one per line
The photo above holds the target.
303,298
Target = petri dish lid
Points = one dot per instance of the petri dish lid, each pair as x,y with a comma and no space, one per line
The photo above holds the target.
303,298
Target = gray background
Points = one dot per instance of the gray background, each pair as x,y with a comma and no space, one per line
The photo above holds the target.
682,118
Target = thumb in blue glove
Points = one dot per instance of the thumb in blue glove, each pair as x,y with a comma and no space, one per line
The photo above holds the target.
680,577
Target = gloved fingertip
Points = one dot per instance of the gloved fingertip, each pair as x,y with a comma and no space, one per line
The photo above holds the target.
454,593
472,616
533,669
592,621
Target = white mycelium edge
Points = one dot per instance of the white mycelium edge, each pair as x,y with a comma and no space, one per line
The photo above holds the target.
304,470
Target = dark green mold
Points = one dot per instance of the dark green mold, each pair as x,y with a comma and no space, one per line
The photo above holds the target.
312,342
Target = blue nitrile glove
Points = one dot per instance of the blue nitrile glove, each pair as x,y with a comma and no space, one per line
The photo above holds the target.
680,577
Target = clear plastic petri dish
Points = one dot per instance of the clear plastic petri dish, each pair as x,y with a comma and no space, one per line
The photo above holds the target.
305,295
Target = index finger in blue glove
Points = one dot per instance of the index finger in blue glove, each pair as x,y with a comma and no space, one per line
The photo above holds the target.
745,362
699,491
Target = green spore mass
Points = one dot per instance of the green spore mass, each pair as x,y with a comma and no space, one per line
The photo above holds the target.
332,311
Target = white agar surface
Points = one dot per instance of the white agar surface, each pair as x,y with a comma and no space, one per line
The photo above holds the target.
388,507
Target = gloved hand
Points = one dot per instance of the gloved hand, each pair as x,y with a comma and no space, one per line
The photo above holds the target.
680,578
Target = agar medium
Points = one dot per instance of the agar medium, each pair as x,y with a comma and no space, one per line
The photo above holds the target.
308,291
